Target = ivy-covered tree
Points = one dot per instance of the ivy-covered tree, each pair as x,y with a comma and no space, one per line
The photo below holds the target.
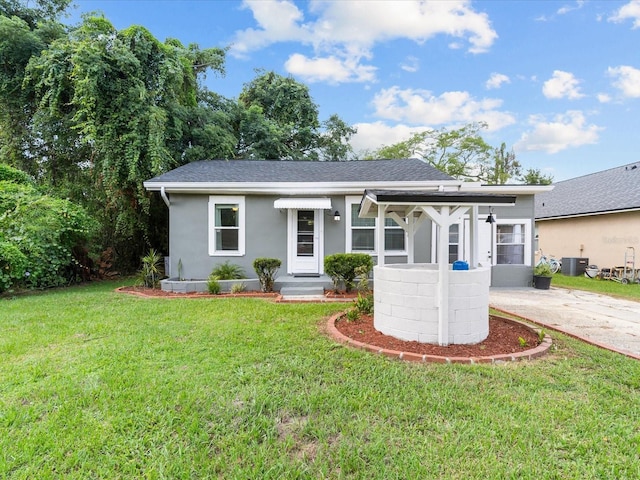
126,100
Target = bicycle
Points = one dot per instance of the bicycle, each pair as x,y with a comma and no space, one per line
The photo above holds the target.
554,264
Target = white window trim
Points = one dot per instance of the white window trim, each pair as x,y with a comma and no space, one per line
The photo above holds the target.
225,199
527,239
349,201
464,242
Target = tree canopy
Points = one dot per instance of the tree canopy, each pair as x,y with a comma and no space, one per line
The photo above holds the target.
463,154
91,112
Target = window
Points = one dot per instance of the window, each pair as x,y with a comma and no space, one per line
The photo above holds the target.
226,226
512,243
454,242
362,236
394,236
363,231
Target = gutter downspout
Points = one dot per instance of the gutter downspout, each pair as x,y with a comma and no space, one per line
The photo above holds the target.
163,194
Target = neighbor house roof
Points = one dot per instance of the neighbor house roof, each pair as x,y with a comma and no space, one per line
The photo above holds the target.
297,176
609,191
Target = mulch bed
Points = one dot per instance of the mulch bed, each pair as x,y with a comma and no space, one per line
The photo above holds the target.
156,292
503,339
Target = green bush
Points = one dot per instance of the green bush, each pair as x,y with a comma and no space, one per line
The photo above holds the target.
364,304
342,268
47,231
13,175
213,284
228,271
266,268
13,266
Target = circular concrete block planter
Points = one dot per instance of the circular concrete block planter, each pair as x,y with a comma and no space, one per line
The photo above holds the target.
407,302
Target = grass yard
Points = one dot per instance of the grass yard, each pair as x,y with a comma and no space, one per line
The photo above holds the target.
95,384
606,287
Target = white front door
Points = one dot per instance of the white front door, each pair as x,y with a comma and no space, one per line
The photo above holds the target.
305,241
485,241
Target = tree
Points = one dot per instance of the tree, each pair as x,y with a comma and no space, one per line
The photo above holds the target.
534,176
278,120
334,141
33,11
123,98
461,153
504,167
282,119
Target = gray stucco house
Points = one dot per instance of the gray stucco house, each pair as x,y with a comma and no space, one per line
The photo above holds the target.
301,211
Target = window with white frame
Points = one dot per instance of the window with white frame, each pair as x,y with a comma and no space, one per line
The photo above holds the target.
513,242
226,225
454,242
362,232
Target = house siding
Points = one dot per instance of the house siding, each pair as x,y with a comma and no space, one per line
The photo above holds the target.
265,235
602,239
515,275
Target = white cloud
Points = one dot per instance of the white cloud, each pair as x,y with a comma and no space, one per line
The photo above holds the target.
349,30
372,136
565,131
570,8
496,80
629,11
604,97
411,64
562,85
329,69
626,79
421,107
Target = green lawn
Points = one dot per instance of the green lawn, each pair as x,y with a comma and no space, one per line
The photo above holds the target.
606,287
95,384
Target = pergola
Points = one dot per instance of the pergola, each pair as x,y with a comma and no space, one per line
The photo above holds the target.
409,209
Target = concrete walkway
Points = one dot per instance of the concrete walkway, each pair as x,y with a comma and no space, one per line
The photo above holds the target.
605,321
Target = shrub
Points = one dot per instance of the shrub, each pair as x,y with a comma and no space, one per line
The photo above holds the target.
364,304
13,266
228,271
352,315
10,174
213,284
47,231
543,270
341,267
266,268
151,273
238,287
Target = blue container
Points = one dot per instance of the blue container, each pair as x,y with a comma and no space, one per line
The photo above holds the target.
460,265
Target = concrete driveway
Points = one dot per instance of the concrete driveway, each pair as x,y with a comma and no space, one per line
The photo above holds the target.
605,321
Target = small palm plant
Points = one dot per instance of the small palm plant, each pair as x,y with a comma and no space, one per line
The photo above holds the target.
151,273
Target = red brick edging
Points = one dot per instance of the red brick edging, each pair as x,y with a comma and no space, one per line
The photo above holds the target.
530,354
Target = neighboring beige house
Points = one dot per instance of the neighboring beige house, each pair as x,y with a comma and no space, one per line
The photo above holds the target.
595,216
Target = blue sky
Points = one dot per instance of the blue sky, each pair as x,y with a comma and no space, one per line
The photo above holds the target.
557,81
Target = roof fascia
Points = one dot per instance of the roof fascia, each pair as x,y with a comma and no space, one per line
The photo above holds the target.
296,188
589,214
509,189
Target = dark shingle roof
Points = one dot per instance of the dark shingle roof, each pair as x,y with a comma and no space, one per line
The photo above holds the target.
272,171
607,191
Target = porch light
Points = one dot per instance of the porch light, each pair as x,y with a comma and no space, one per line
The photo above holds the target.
490,218
336,216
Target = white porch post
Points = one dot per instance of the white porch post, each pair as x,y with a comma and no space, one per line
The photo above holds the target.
443,276
473,236
380,224
411,245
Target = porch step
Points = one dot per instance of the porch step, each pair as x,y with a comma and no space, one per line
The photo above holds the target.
289,281
302,291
